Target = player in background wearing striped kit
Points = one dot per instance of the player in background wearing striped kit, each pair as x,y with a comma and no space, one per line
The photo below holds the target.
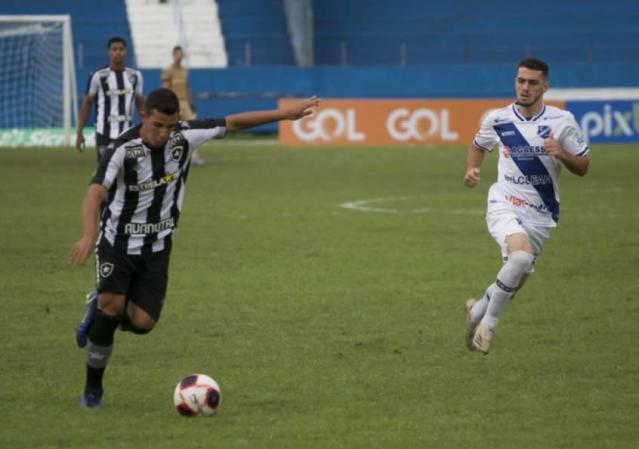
115,89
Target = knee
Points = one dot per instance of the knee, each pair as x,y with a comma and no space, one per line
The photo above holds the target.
110,304
139,330
141,321
143,324
521,260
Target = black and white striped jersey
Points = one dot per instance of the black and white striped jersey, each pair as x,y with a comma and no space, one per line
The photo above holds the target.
146,186
114,92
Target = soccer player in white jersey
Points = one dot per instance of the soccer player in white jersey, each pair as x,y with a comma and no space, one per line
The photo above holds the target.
115,88
534,141
142,178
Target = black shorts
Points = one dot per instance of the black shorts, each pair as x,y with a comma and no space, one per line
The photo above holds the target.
142,279
101,142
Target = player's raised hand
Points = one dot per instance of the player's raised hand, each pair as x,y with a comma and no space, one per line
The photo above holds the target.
471,179
300,109
553,147
80,251
250,119
79,142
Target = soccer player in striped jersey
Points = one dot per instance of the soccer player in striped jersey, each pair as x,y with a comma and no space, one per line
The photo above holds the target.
115,88
534,140
142,178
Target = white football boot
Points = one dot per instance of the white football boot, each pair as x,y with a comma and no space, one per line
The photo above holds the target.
483,338
470,325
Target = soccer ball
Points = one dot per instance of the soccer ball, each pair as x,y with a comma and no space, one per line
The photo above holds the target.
197,394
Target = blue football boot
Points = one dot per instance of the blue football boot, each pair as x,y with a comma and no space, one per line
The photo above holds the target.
83,327
91,398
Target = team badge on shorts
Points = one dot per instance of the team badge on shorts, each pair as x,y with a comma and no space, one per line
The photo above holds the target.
543,131
106,269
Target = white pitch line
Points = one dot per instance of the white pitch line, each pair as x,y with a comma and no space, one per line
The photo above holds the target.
360,205
363,206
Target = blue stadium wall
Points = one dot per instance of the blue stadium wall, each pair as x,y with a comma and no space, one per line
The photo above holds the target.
259,87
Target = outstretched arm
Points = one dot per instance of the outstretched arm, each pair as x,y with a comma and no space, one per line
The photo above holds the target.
474,158
82,248
251,119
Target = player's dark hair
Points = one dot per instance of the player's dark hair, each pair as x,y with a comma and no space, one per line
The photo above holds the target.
534,64
116,39
162,100
177,47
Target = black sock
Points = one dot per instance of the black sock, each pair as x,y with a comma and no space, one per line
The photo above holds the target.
94,379
99,348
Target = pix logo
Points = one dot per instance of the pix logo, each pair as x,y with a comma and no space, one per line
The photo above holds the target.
612,122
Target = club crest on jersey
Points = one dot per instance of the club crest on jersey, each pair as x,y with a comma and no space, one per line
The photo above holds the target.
133,78
543,131
106,269
177,144
176,153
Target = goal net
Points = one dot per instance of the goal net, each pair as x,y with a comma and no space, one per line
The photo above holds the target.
38,98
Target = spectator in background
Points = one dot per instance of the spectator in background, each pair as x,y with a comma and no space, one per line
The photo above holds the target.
176,78
115,88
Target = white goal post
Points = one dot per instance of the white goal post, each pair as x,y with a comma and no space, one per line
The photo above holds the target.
38,95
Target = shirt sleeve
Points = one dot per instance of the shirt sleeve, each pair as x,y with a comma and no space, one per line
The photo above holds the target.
93,85
571,137
110,165
199,131
139,87
486,137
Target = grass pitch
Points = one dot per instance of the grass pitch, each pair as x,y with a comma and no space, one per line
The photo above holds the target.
326,326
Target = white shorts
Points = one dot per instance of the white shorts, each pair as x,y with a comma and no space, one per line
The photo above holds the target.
503,222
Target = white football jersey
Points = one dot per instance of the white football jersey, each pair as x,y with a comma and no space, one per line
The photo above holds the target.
528,178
